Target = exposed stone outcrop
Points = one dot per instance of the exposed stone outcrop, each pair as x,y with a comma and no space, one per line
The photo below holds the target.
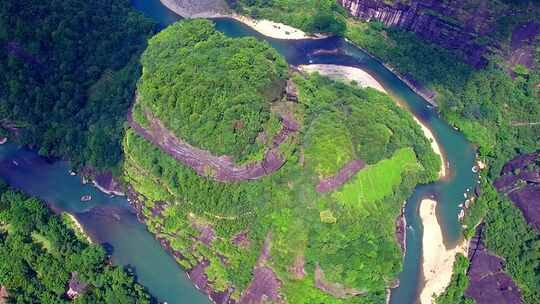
451,24
489,284
196,8
400,232
264,286
104,181
347,172
3,295
520,179
522,45
291,91
199,278
220,168
75,286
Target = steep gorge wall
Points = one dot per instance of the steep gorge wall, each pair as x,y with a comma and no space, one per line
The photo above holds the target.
451,24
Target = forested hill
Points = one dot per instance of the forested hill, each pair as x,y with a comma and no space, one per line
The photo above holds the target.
497,107
318,228
44,260
67,74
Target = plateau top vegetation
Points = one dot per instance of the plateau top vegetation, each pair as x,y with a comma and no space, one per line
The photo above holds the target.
200,93
217,96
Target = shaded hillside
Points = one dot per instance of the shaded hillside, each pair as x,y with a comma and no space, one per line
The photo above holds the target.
68,72
275,236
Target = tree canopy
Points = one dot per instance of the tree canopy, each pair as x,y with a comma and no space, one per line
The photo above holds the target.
40,252
212,91
67,74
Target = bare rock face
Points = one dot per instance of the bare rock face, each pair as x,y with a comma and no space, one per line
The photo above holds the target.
522,44
196,8
451,24
489,284
520,180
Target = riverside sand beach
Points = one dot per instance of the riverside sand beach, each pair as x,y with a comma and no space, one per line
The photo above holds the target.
344,73
79,227
273,29
218,9
438,260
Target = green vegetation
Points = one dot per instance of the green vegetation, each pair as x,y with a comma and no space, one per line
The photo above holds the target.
484,104
493,110
354,243
219,97
68,73
518,245
315,16
330,144
39,252
454,292
378,181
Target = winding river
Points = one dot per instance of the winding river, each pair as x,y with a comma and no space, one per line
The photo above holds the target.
111,220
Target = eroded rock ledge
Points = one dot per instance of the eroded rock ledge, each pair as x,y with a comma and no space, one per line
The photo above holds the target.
489,284
520,180
204,163
450,25
344,175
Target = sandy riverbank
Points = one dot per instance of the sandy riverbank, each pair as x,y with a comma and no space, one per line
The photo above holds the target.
344,73
437,260
79,227
218,9
273,29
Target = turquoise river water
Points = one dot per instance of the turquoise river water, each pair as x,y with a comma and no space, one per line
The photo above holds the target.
111,221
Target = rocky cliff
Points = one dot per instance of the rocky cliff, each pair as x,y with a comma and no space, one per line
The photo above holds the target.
458,24
196,8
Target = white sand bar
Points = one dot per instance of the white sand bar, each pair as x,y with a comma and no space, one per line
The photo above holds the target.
438,261
219,9
344,73
79,227
274,29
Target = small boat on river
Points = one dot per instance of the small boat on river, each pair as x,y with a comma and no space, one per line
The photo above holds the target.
86,198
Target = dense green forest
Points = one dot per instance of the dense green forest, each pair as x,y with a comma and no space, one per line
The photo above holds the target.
68,70
493,107
484,104
39,252
315,16
348,232
219,97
